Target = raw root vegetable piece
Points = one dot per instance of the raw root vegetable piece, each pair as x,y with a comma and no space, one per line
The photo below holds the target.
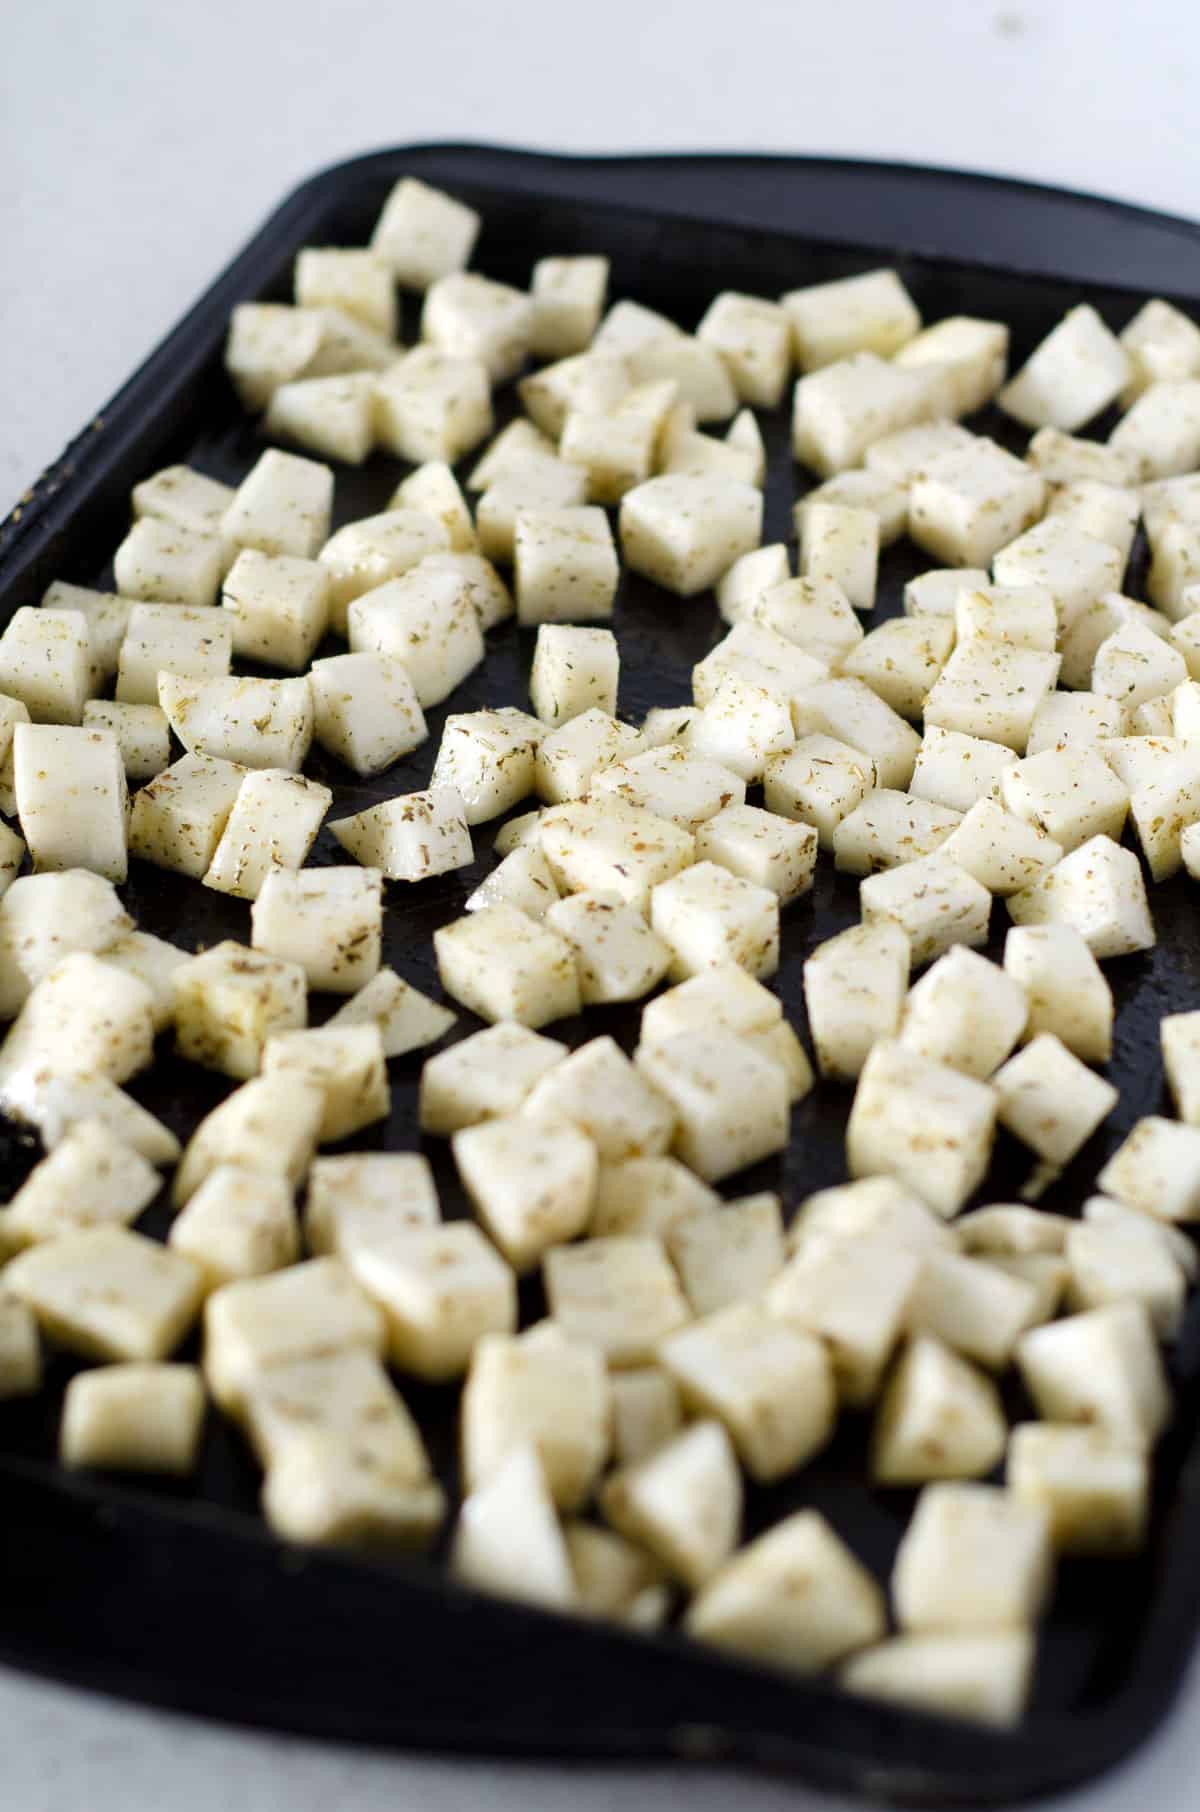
837,412
364,1199
973,1307
1102,1368
936,593
523,880
646,1412
508,1540
565,565
169,638
327,1491
1091,629
260,723
591,384
108,1294
728,1257
855,1296
761,848
818,782
330,416
531,1184
71,798
839,544
618,1293
21,1352
984,1677
870,313
753,337
608,847
770,1385
614,1578
239,1223
901,659
1157,1170
991,690
1010,1230
1071,794
410,837
355,281
282,506
1170,500
278,607
816,615
1075,720
568,299
665,724
973,1558
568,758
797,1598
685,532
1023,615
756,656
1093,1486
938,1418
648,1196
924,1124
90,1179
999,849
1161,433
431,406
1133,665
82,1019
479,581
1097,891
1105,1212
268,344
141,732
731,1100
177,820
325,921
543,1391
848,711
134,1418
901,458
502,965
161,563
374,550
1163,808
968,504
1174,569
1116,1263
423,234
936,903
888,829
751,577
969,357
267,1124
601,1092
695,367
45,664
56,1104
230,1000
875,1208
106,617
484,1077
1048,1273
672,784
344,1395
964,1012
1180,1035
512,448
618,447
365,711
487,759
1078,370
181,495
617,955
725,997
256,1324
471,317
273,825
539,488
708,916
573,671
683,1502
425,619
433,491
854,987
46,917
1162,344
346,1063
1103,512
857,490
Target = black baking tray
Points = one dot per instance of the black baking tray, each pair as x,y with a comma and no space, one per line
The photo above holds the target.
176,1594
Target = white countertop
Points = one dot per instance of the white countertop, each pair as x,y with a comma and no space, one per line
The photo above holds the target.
142,143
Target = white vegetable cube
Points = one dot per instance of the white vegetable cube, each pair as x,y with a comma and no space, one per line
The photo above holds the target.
769,1384
83,1018
672,784
1157,1170
229,1001
423,234
440,1289
850,712
332,416
269,343
617,955
685,532
901,659
591,384
278,607
1093,1486
617,448
1071,794
1022,614
163,563
936,593
282,507
761,848
574,670
724,997
973,1557
1098,891
873,312
854,1295
648,1196
646,1412
1174,568
21,1352
472,317
181,495
523,879
860,490
797,1598
133,1418
934,901
569,758
168,638
239,1223
901,457
926,1125
819,782
1163,808
982,1676
731,1102
71,797
991,690
854,986
728,1257
964,1012
257,1325
683,1502
1102,1368
262,723
1161,344
665,724
968,504
697,369
433,491
432,406
266,1125
753,338
1120,1263
368,553
544,1391
1075,720
971,357
600,1091
532,1185
606,846
1180,1036
618,1293
1000,850
817,617
503,965
1161,433
45,663
358,282
46,917
548,487
888,829
411,836
108,1294
486,1076
565,565
756,657
837,412
142,734
840,544
425,619
90,1179
1133,665
568,298
487,758
106,617
346,1063
273,825
938,1418
326,922
354,1201
365,711
1078,370
974,1306
508,1540
706,916
56,1104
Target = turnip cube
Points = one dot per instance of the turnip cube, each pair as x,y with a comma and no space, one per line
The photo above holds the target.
141,733
1102,1368
728,1257
433,491
133,1418
888,829
646,1412
278,607
346,1063
731,1102
1116,1263
964,1012
90,1179
683,1502
974,1306
850,712
328,921
873,312
569,758
428,620
45,664
1133,665
1000,850
410,837
1180,1036
264,1125
331,416
106,618
757,657
600,1091
162,563
936,593
230,1000
483,1077
177,820
707,916
648,1196
487,758
1161,344
1157,1170
83,1018
837,412
181,495
853,1295
504,966
523,880
239,1223
1078,370
55,1104
753,338
1161,433
973,1557
1075,720
423,234
108,1294
508,1540
166,637
261,723
857,490
565,564
760,847
740,728
724,997
270,343
544,1390
440,1289
612,848
1093,1486
574,670
983,1677
551,487
922,1123
365,711
819,782
902,457
531,1184
991,690
617,955
670,783
968,504
817,617
969,356
281,507
618,1293
1023,615
368,553
357,282
407,1019
273,824
257,1326
840,545
478,578
432,406
854,990
686,532
472,317
45,917
1099,892
936,903
568,299
1071,794
357,1200
71,798
901,660
695,367
939,1418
